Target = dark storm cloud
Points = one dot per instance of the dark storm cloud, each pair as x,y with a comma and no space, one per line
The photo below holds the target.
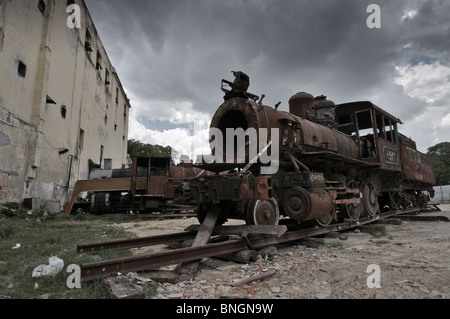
180,50
429,32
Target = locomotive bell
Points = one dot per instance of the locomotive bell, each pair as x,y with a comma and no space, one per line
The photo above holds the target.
302,104
325,111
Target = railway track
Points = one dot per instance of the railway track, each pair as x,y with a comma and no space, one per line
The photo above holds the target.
250,237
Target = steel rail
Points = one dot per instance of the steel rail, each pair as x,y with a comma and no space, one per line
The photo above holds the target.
103,269
136,242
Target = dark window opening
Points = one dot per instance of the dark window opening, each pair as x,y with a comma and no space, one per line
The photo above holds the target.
63,111
81,142
98,66
87,41
117,95
49,100
2,36
107,81
22,69
70,2
41,6
102,150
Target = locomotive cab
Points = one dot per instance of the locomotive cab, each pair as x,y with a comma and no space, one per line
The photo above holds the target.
375,130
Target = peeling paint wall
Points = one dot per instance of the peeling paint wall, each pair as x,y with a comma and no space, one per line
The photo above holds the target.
60,105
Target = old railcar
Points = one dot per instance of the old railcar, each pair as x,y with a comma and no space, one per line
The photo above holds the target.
148,186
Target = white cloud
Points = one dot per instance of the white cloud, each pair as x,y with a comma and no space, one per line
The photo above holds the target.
427,82
180,139
430,84
409,15
446,121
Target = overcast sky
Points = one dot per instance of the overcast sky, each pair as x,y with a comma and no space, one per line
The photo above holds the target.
172,55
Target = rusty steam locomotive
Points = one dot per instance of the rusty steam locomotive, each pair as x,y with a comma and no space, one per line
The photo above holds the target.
335,162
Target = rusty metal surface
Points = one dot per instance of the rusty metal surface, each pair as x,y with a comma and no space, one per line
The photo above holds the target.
417,166
296,133
388,155
302,104
135,242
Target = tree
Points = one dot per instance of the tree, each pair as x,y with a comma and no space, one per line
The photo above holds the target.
139,149
440,154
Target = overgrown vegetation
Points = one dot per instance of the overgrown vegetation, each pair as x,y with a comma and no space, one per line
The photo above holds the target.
440,154
139,149
41,236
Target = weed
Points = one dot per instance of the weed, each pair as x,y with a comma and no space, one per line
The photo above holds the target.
41,236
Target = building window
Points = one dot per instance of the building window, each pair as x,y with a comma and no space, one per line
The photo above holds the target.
102,150
107,81
70,2
106,119
117,95
22,69
88,41
2,36
98,65
115,127
41,6
63,111
81,143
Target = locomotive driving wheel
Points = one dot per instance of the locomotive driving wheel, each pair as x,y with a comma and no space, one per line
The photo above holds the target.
263,212
327,220
370,198
353,210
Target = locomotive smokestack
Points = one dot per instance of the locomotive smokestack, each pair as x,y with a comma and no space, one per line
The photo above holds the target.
302,104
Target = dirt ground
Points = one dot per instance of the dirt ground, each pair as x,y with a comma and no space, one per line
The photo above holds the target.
409,261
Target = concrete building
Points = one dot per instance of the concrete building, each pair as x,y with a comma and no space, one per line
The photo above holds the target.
62,105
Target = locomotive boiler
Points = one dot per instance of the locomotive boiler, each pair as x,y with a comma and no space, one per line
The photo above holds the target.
333,161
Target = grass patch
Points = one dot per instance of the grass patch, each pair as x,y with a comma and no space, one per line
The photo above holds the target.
374,230
42,236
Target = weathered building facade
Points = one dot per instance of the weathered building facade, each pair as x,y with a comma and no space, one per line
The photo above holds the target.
62,105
